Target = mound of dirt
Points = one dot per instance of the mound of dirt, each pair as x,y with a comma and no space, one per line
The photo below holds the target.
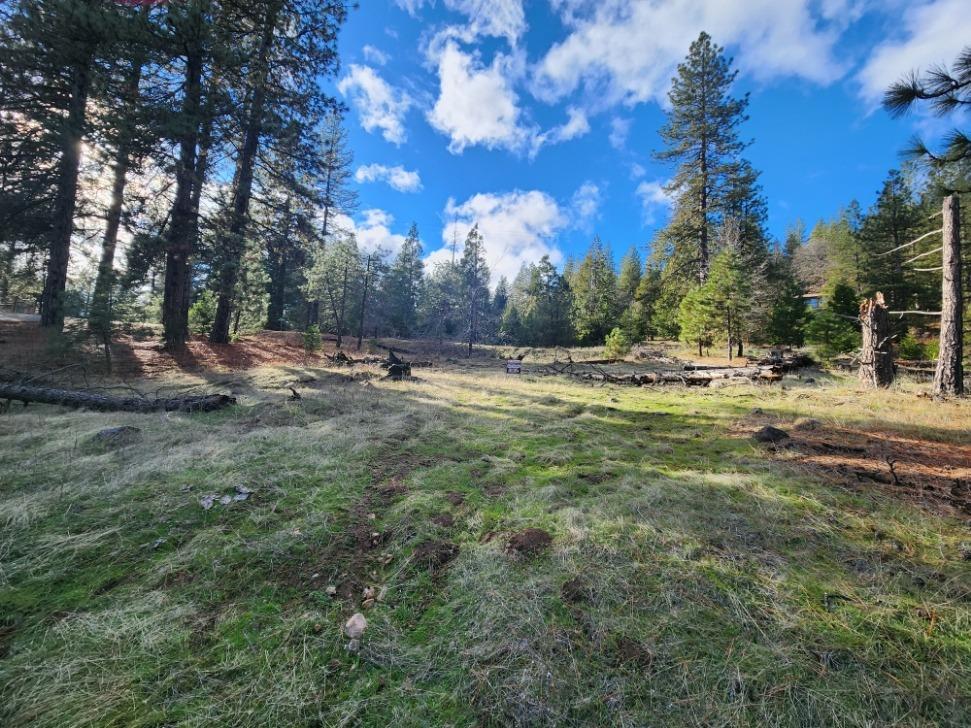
443,519
435,554
529,541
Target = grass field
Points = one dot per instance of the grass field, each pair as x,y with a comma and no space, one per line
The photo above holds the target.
694,577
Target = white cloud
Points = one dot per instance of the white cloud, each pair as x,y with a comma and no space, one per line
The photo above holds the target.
637,171
476,103
397,177
375,55
498,18
575,126
655,200
627,50
933,33
619,129
585,205
379,104
517,227
373,232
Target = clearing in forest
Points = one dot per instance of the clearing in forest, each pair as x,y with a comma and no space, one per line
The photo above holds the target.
530,550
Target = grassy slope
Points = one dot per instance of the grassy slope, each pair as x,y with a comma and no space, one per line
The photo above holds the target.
708,585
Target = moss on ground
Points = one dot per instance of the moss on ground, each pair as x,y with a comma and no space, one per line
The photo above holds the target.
693,578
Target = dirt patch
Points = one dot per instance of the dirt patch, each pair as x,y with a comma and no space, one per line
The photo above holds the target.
575,591
456,499
434,555
495,490
934,475
631,653
529,541
391,490
444,519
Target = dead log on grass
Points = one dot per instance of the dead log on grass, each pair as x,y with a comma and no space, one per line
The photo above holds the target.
109,403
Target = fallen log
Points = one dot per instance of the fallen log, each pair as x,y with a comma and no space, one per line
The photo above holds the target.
691,378
109,403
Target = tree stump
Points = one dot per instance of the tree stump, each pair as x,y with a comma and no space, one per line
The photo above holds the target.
876,361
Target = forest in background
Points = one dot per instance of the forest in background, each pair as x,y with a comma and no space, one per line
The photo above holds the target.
198,135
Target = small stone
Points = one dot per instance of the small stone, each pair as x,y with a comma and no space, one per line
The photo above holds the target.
355,626
331,590
770,434
354,646
370,592
206,501
118,436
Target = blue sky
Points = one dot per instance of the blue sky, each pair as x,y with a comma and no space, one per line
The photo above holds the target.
537,118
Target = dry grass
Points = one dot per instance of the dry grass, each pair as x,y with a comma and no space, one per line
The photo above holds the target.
693,577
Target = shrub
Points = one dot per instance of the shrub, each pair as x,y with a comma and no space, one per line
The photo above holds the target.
311,338
832,334
912,349
202,313
617,344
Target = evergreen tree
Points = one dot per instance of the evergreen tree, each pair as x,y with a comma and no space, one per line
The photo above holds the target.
545,317
594,287
696,318
629,279
701,135
334,279
475,285
403,286
730,289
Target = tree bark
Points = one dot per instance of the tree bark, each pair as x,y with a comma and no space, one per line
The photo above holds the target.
876,361
108,403
360,328
181,235
100,303
232,242
65,201
949,377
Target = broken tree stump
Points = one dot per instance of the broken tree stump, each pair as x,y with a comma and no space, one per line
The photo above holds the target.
108,403
876,360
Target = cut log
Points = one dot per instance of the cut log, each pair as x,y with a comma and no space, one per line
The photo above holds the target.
108,403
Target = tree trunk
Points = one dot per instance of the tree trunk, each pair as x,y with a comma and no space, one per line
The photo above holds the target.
343,308
949,377
232,242
741,349
180,237
108,403
65,200
360,328
100,304
876,360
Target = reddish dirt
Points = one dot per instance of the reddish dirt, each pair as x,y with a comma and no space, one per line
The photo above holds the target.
456,499
529,541
444,519
24,346
934,475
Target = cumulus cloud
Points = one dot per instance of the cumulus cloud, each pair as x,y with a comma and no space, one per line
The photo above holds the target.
655,200
932,34
619,129
617,47
585,205
379,104
575,126
397,177
476,103
373,231
498,18
375,55
517,227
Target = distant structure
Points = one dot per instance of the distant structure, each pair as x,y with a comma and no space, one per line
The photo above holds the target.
813,300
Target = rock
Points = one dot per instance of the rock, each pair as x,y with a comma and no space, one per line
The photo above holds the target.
118,436
331,590
770,434
355,626
805,424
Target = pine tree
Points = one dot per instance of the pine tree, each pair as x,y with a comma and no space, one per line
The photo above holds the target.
594,286
629,279
545,317
730,289
334,279
892,221
403,286
475,284
696,318
701,134
336,195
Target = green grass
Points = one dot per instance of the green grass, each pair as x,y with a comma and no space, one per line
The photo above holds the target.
706,583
